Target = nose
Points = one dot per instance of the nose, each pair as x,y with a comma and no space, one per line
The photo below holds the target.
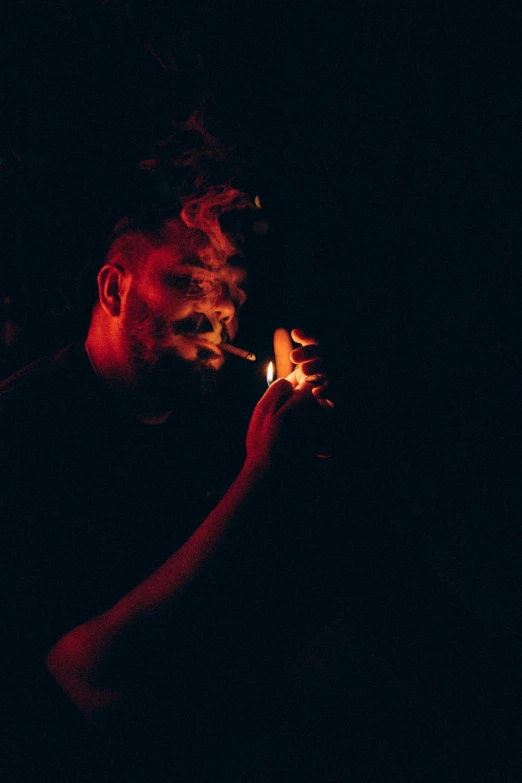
222,305
218,308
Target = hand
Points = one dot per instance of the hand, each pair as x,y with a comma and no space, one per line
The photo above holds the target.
309,370
276,428
286,420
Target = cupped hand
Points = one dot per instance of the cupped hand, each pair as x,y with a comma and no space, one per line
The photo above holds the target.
276,427
304,367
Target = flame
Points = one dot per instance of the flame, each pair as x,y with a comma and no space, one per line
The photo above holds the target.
270,374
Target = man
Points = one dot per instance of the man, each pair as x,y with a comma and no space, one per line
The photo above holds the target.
115,558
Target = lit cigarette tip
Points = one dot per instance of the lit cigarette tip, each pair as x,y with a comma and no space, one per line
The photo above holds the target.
251,357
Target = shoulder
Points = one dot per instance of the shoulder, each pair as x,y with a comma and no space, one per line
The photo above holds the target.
38,399
41,371
56,372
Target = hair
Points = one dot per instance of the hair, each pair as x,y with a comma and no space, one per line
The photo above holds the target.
133,237
189,177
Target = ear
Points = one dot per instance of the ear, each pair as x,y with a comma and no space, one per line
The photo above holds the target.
112,283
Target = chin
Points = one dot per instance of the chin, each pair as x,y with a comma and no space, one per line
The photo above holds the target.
207,358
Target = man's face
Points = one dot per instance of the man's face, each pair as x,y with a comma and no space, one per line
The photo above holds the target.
177,311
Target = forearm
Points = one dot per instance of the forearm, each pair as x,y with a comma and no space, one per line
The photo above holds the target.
168,584
85,661
79,659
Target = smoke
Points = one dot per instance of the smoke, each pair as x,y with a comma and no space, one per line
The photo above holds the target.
205,156
202,212
195,170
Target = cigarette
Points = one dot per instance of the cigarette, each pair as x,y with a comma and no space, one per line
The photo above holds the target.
238,352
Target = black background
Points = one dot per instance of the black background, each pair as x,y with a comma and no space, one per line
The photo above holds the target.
385,142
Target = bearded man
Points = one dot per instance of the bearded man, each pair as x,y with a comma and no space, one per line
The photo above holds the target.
134,601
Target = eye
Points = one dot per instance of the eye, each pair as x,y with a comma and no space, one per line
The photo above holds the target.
179,282
194,286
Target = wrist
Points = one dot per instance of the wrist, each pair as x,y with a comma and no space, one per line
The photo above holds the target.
256,468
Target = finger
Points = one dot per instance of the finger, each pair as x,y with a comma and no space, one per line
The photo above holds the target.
309,382
313,367
301,336
324,402
320,385
310,351
317,387
301,397
275,397
282,348
319,392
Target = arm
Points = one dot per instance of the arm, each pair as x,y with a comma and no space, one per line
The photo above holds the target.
79,659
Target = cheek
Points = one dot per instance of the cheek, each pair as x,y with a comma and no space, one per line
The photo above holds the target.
168,304
144,322
232,327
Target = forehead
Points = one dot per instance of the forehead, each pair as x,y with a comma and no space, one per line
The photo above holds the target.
175,234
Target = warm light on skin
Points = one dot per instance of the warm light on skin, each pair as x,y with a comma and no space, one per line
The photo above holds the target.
270,374
166,284
169,307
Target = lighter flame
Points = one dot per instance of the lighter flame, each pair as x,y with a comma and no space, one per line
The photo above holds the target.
270,374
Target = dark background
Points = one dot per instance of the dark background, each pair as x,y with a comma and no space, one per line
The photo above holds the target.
384,143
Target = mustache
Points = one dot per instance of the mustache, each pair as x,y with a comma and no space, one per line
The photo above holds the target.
199,324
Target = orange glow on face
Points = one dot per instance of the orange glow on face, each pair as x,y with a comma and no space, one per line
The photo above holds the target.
270,374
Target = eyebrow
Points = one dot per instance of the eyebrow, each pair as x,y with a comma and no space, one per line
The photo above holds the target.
192,260
180,266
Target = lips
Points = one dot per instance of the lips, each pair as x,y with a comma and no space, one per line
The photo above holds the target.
199,327
212,346
206,348
192,325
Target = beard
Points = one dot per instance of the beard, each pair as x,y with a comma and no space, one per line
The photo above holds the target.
162,379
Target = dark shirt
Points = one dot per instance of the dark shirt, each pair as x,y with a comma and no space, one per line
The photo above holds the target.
419,675
94,501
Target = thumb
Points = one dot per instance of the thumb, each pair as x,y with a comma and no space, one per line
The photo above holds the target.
275,397
282,348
